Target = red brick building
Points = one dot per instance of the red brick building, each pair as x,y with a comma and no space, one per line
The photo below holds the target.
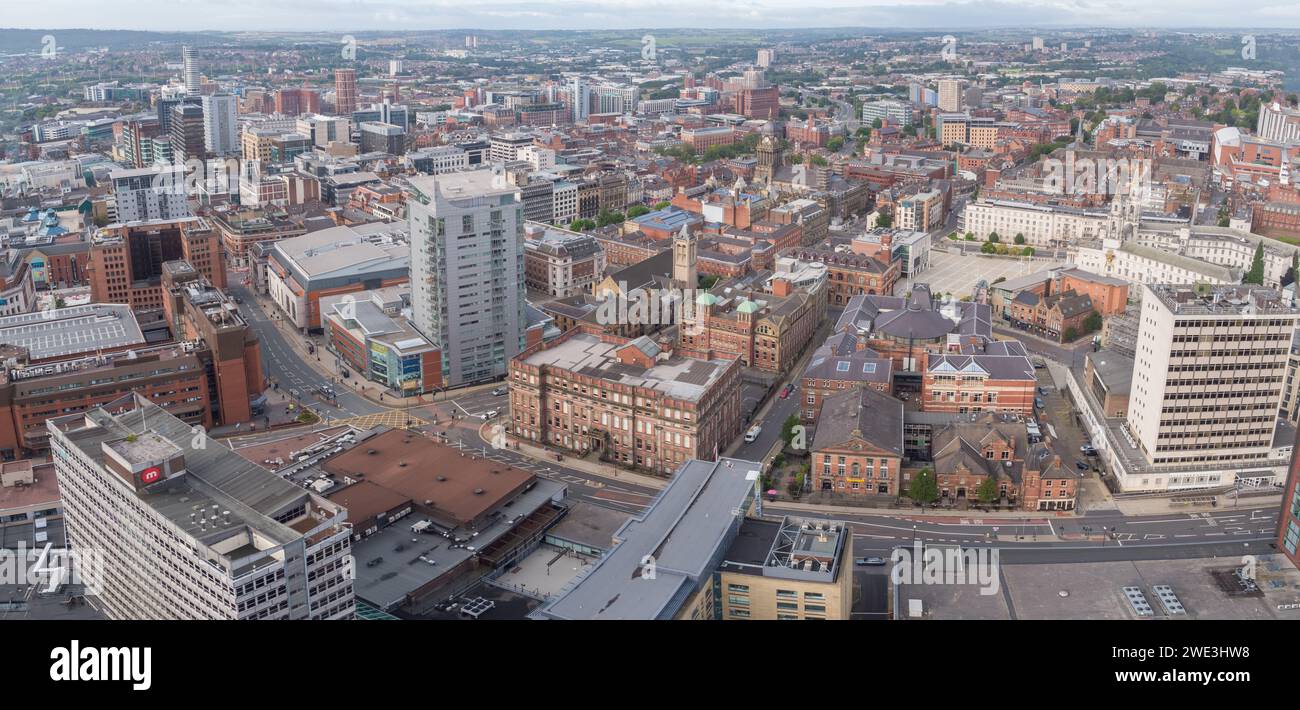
126,260
999,380
626,400
850,275
1026,477
857,449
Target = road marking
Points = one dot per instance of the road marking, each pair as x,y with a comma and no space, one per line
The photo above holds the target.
891,527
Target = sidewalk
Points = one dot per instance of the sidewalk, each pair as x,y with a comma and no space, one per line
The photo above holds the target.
1163,506
607,471
916,512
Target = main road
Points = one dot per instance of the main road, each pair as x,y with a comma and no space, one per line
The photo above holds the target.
284,364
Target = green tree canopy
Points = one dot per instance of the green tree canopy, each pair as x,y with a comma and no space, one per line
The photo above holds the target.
1256,273
923,488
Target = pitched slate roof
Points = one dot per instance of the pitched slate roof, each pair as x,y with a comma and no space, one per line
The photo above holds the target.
876,417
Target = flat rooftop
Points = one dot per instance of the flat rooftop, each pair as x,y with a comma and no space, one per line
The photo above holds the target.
686,530
347,249
678,377
395,562
590,525
63,332
218,494
455,483
148,447
466,185
43,492
1115,370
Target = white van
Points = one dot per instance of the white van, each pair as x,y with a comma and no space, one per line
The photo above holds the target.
753,433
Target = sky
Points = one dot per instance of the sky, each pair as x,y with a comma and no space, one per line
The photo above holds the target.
354,15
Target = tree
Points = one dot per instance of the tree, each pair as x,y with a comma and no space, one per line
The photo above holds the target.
834,144
636,211
795,486
1020,238
999,279
884,219
787,429
1256,273
581,225
607,217
662,205
1070,334
923,489
987,491
988,248
993,237
1092,323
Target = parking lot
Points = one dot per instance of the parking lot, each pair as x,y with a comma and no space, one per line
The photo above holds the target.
950,272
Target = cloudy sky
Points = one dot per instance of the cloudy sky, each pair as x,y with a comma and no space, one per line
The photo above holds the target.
342,15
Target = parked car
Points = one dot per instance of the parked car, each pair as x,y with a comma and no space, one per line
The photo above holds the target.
1088,450
1038,404
753,433
1082,465
870,561
500,391
785,391
1042,391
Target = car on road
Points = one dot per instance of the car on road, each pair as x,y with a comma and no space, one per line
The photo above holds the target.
870,561
785,391
1082,465
490,414
497,392
753,433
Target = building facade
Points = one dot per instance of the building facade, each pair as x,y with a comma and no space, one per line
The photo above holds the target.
467,271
